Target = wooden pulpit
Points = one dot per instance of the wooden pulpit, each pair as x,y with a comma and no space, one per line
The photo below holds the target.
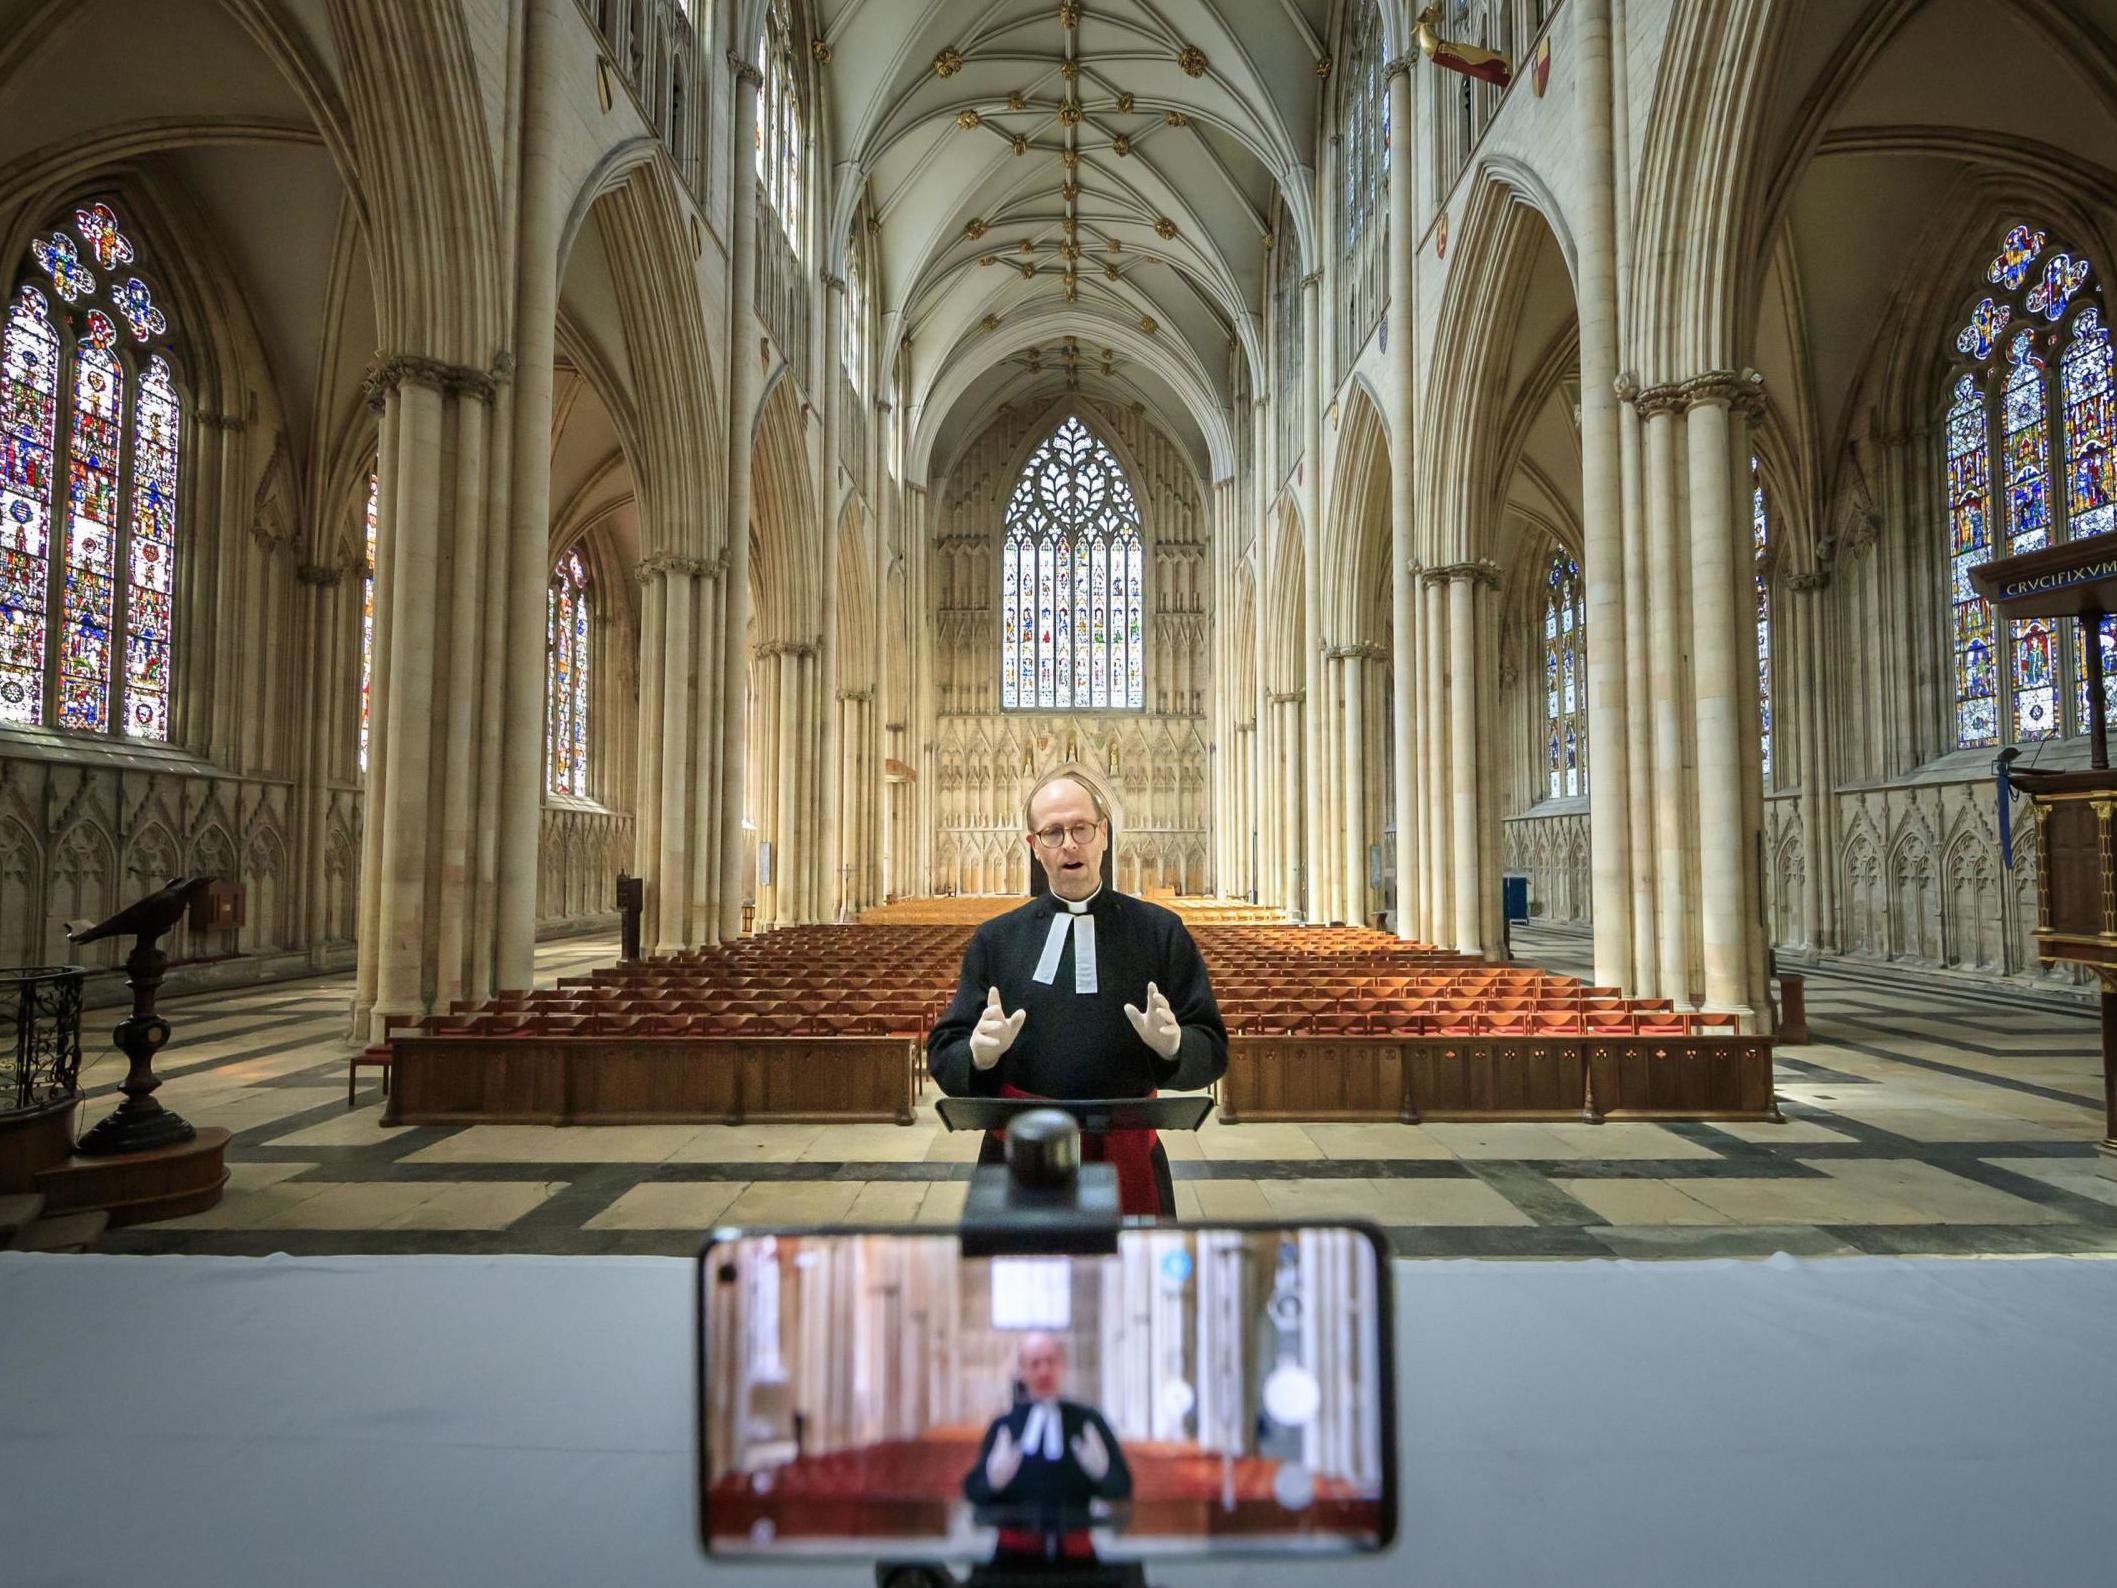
2075,812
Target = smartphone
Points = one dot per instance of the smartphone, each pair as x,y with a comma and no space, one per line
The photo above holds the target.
1202,1391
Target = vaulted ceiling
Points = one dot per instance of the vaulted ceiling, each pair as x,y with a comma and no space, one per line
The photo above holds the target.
1104,170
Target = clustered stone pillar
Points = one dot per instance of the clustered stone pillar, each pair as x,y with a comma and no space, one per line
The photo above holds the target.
1403,591
1703,776
683,604
1314,802
424,939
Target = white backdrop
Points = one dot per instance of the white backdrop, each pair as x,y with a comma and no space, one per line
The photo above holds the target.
528,1420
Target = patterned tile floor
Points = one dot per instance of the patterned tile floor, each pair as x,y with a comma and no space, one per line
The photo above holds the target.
1942,1123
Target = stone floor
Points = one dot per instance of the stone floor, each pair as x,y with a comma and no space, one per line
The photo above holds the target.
1945,1123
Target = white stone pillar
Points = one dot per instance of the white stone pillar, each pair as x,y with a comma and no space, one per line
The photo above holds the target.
1315,823
673,861
1355,788
647,823
402,987
786,903
1638,746
1727,849
1666,649
368,932
705,663
744,79
454,976
1462,757
1603,572
1440,863
1398,325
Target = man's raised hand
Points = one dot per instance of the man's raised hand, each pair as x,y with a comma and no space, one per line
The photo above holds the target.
1157,1027
1091,1453
996,1031
1003,1461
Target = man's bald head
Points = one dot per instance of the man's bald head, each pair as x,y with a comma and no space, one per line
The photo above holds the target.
1040,1360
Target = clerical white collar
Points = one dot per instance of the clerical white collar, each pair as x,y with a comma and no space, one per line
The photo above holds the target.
1081,907
1042,1430
1074,919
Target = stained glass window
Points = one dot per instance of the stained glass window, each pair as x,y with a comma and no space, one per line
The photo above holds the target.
1565,677
30,352
1070,581
567,618
1363,165
1760,537
2007,417
367,616
779,120
88,506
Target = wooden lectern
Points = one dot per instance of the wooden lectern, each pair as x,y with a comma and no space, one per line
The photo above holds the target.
2075,812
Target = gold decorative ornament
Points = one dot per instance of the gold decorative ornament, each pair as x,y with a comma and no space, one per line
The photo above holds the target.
1192,60
1268,240
967,119
1027,271
1110,270
1015,101
991,322
1069,114
1146,324
1067,158
1175,118
1021,144
821,50
1069,13
1323,66
1114,245
975,229
1069,191
1165,229
1124,104
1121,146
948,62
1068,251
1069,70
1025,246
988,259
1067,224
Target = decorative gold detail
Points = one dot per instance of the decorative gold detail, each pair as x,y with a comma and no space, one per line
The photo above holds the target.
1025,246
1068,158
1021,144
1192,60
1069,70
968,119
1028,271
991,322
1067,224
1148,325
988,259
976,228
821,50
948,62
1069,191
1072,291
1114,245
1175,118
1323,66
1124,104
1068,251
1165,229
1268,240
874,224
1110,270
1015,101
1121,146
1069,114
1069,13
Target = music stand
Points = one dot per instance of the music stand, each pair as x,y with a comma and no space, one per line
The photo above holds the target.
1094,1115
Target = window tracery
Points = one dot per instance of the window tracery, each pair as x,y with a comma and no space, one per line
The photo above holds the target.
1760,535
1565,677
1363,182
2007,416
367,615
569,610
1071,577
87,575
779,122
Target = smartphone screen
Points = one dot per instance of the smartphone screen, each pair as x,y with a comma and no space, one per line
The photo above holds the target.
1200,1391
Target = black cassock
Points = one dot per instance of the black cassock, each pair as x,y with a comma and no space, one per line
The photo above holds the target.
1047,1493
1080,1044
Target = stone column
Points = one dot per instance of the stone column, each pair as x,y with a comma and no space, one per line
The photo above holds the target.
1399,320
546,190
742,404
786,842
1728,924
1603,567
1638,746
368,940
679,609
1665,648
402,986
706,660
1805,653
647,823
1462,755
1353,662
457,973
1315,819
1439,861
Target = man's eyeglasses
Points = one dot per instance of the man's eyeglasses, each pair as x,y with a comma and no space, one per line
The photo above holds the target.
1079,832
